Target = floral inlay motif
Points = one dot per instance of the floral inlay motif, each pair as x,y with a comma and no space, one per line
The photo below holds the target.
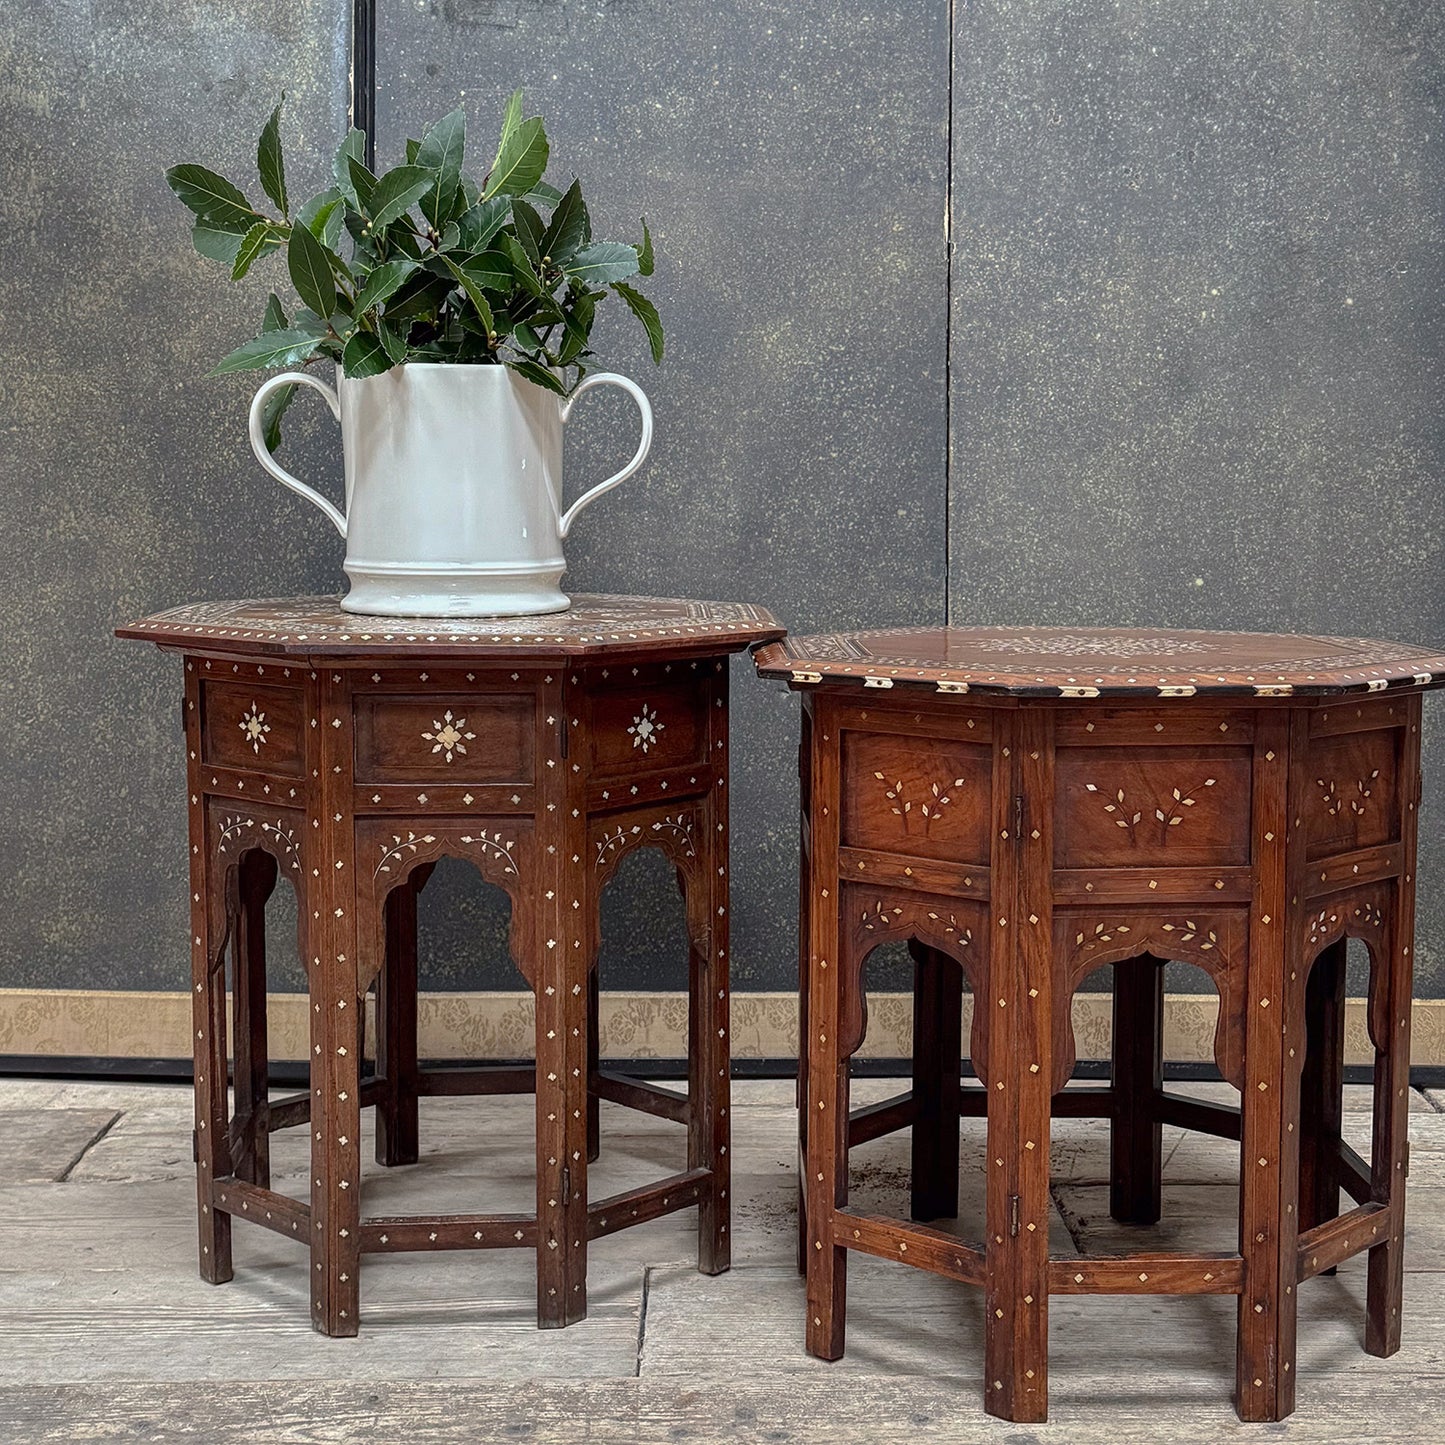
450,735
232,827
681,828
623,837
1072,644
930,806
1322,925
645,728
1335,801
254,727
1186,931
499,848
1130,818
611,842
882,917
399,847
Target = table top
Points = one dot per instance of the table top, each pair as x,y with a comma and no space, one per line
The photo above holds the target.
317,627
1102,662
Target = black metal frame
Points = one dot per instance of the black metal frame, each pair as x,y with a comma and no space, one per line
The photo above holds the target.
363,74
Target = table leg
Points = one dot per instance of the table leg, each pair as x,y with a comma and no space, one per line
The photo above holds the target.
1018,1205
826,1102
1135,1134
1394,970
208,1026
594,1061
800,1095
332,929
563,947
1274,1042
256,878
1321,1088
710,1038
937,1055
397,1132
1390,1154
710,1003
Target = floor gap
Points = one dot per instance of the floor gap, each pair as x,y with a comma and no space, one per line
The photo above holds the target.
89,1145
1056,1196
642,1317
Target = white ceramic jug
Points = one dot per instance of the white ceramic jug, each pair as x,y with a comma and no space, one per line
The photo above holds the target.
453,487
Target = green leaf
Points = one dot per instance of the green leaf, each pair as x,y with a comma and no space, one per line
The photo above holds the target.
212,197
603,263
577,318
540,374
393,341
399,237
543,195
644,251
275,318
567,229
261,239
645,312
530,229
526,339
216,244
312,324
309,263
481,222
420,297
363,183
397,192
523,268
381,284
268,160
521,155
413,149
272,410
474,293
492,271
511,117
352,148
323,216
365,356
451,237
441,150
271,348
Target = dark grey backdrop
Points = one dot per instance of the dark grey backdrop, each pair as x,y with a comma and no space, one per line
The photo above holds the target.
1081,314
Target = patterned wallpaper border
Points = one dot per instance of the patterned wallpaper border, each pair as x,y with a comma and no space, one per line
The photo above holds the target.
95,1024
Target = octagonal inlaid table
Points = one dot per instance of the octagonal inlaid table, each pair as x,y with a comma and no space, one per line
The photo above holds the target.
348,754
1024,806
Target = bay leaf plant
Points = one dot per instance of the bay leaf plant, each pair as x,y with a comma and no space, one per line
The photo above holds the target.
421,262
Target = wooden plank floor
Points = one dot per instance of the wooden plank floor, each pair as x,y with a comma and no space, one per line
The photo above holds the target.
107,1333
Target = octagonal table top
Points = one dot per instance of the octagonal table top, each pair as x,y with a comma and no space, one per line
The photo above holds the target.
1102,661
317,627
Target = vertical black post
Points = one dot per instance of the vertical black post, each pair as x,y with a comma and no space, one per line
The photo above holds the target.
1136,1136
937,1051
363,74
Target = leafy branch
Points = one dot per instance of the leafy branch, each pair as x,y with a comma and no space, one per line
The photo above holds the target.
440,268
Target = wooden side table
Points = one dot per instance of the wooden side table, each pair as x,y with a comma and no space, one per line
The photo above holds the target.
347,754
1025,806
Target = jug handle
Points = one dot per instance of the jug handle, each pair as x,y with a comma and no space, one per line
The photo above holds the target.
263,452
609,378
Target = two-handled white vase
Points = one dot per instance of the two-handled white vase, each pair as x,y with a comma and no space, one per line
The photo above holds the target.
453,487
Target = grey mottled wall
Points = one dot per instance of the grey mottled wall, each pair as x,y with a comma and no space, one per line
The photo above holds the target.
1197,326
792,161
1190,375
126,482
